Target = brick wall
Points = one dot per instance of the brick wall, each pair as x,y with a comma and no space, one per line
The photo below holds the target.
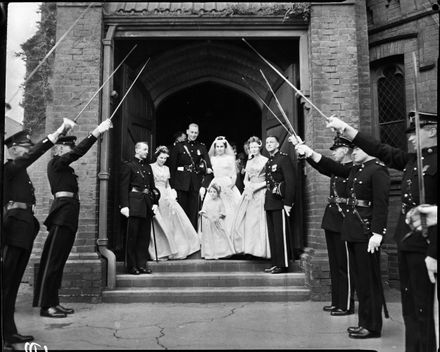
75,78
338,85
396,30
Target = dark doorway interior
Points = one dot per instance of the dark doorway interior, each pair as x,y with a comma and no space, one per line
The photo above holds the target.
217,109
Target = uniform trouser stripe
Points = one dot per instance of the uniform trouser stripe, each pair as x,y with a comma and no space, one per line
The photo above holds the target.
46,266
348,276
284,238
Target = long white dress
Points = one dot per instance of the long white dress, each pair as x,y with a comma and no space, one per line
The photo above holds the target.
225,174
175,235
214,239
249,229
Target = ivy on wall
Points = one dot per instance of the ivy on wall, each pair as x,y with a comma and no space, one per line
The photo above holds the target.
37,91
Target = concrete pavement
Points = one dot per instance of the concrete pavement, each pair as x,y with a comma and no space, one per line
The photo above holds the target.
253,325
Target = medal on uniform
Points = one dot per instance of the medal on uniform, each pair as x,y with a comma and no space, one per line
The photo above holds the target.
274,167
198,152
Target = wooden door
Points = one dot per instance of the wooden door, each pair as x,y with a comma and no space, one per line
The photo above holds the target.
270,125
134,122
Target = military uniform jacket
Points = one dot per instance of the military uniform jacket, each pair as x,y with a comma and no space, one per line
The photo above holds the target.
18,187
369,182
137,174
64,211
280,182
334,213
180,161
407,162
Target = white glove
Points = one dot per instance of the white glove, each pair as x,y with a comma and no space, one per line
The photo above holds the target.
337,124
125,211
202,192
431,266
413,218
374,243
209,171
154,208
303,149
295,140
105,126
287,208
65,126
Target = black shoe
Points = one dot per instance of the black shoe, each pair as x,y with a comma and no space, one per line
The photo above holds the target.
269,270
65,309
328,308
133,271
363,334
52,312
340,312
353,329
17,338
279,270
145,270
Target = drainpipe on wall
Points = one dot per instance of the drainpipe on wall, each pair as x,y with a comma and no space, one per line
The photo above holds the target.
104,173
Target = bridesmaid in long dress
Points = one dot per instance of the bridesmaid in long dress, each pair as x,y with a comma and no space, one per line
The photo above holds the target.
225,173
214,239
175,235
249,229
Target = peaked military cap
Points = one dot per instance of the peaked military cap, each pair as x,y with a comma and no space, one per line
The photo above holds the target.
339,141
426,118
21,138
66,140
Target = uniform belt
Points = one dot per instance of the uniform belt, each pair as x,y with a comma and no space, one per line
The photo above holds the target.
189,168
358,202
18,205
140,190
337,200
66,194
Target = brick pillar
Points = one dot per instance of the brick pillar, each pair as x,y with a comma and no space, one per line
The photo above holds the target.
76,77
335,88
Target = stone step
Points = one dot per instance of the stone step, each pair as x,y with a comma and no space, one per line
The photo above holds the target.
206,294
202,265
211,279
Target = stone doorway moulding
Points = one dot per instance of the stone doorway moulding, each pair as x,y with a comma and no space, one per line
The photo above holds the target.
196,29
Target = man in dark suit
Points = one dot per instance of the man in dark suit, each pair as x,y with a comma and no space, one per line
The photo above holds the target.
189,163
363,228
139,199
278,202
414,249
20,227
342,283
62,221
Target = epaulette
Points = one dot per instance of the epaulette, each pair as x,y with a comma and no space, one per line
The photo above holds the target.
378,162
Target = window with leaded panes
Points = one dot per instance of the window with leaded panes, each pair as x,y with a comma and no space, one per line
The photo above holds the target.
390,107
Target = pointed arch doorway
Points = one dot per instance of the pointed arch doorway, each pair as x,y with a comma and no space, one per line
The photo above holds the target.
201,81
217,109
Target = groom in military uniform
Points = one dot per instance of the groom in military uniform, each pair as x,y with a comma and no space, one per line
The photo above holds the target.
189,163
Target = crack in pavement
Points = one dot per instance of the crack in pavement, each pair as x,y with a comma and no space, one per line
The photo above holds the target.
162,334
232,312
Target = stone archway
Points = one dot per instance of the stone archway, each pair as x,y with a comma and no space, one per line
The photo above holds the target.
216,108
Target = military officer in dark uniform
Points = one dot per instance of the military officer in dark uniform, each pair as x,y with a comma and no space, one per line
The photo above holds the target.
62,221
139,199
413,249
278,202
363,228
20,227
342,284
188,163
